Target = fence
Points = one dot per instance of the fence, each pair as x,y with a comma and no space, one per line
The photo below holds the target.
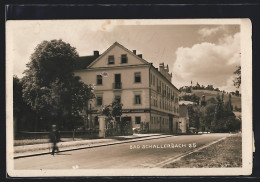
68,135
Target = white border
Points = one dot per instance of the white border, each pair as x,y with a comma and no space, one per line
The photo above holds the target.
246,90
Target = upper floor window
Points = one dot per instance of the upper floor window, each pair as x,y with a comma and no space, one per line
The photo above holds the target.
111,59
99,101
137,77
123,58
137,99
99,80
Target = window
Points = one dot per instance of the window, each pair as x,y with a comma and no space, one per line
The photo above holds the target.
153,80
137,99
118,98
111,59
99,80
99,101
137,120
123,58
137,77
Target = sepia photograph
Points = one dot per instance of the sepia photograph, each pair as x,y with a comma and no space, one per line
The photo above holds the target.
129,97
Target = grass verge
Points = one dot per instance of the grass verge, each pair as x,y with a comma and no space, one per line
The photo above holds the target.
226,153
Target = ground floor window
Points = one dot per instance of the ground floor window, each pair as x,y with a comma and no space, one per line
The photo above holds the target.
99,101
137,120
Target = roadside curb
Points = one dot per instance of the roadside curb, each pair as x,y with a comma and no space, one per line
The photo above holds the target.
97,145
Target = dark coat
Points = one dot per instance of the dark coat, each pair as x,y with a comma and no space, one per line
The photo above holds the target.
54,136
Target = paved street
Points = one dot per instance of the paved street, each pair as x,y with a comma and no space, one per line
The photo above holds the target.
127,155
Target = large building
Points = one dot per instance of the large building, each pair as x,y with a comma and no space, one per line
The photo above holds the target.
147,93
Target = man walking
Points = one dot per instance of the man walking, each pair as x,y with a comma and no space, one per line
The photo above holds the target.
54,139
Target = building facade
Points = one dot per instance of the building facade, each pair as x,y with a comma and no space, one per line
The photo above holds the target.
183,119
147,94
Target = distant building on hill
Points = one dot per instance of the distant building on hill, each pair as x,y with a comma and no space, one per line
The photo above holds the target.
184,102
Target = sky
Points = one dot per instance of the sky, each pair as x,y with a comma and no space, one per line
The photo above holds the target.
197,52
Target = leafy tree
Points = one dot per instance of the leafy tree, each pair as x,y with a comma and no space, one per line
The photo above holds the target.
113,112
50,87
212,100
194,117
237,79
116,108
23,115
209,114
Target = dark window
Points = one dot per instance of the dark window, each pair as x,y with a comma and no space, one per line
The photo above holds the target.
137,99
137,77
99,101
118,98
123,58
99,80
111,60
137,120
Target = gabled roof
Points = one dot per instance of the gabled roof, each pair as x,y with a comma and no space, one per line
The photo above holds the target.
111,47
183,110
83,62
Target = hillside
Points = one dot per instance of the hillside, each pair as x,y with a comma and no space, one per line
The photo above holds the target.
236,100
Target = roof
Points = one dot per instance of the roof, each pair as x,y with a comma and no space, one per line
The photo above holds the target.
156,69
183,111
127,50
83,62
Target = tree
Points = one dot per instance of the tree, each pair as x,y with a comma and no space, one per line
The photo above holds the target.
113,112
237,79
50,87
23,115
116,108
194,117
209,115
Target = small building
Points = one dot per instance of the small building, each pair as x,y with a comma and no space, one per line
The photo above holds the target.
183,119
184,102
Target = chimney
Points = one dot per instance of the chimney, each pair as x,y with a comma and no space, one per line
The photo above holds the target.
96,54
134,51
167,68
161,67
140,55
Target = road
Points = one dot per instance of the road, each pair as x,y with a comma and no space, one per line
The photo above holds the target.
127,155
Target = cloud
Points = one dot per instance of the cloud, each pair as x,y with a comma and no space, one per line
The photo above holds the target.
103,25
209,31
209,63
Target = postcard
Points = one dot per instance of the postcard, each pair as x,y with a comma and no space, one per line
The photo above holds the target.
129,97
